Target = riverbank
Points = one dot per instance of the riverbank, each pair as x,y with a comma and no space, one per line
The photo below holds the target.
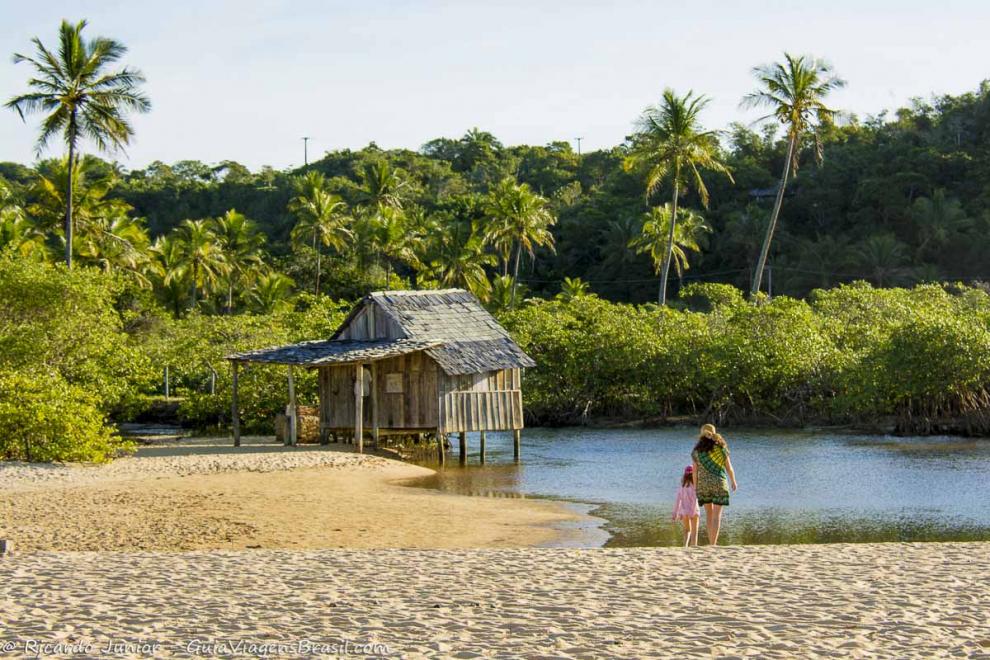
201,494
853,600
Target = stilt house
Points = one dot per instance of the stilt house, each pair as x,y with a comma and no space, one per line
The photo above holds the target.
409,363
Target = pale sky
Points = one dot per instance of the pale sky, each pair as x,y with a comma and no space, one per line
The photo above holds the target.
245,80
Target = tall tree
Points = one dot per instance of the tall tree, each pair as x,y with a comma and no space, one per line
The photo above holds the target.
666,241
671,144
242,246
322,218
518,217
81,98
202,257
794,91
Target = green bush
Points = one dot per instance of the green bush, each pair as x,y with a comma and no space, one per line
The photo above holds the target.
45,418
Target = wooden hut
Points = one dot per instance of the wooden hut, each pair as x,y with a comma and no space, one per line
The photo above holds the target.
409,362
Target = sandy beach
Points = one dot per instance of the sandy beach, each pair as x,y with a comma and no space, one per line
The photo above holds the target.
199,550
889,600
203,494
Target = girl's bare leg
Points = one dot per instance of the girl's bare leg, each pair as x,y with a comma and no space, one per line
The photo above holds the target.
687,530
694,530
716,523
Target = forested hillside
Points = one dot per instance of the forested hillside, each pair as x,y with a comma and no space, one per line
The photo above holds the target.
898,199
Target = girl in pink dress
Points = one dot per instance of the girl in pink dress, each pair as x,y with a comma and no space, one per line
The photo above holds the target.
686,507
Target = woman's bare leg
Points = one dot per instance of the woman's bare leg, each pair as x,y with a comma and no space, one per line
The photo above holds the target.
694,530
716,523
708,521
687,530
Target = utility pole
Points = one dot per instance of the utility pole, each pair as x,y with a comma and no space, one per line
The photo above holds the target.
578,140
305,151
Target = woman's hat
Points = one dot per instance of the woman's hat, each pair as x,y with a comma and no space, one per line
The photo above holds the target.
689,469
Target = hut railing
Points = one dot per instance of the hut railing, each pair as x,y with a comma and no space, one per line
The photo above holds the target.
497,410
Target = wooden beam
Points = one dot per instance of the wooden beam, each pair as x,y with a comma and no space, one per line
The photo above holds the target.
442,454
463,447
291,436
359,407
235,415
374,403
516,441
482,443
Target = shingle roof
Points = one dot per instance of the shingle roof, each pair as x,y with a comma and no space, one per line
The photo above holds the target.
316,353
471,340
450,325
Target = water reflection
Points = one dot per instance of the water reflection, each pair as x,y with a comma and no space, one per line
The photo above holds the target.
795,487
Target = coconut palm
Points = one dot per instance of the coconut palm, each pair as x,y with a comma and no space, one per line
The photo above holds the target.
382,185
202,260
572,288
18,232
938,219
520,219
883,258
669,242
322,218
117,243
670,144
794,91
270,293
81,98
242,246
460,258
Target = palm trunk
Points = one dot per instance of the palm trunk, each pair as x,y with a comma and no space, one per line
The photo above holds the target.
765,251
669,252
230,297
68,200
194,274
515,277
319,268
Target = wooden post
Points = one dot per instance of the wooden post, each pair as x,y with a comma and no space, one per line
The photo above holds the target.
359,408
463,447
291,436
374,403
235,415
440,448
166,382
482,443
516,437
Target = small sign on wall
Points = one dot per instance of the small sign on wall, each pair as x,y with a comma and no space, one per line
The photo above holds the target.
393,383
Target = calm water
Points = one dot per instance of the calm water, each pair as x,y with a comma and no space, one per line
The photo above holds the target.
794,487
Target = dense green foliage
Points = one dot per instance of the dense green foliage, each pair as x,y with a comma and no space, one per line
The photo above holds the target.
850,354
897,200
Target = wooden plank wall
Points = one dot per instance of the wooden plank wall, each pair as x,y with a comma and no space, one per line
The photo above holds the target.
371,323
495,410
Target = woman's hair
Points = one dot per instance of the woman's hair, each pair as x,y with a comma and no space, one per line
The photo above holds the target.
708,438
687,479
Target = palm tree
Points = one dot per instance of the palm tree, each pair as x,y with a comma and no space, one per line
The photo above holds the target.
202,257
671,144
520,218
270,293
794,91
572,288
460,258
938,219
81,98
168,272
666,241
321,218
18,231
381,185
884,257
242,246
117,243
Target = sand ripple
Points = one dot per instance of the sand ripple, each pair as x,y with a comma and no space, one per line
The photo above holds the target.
891,600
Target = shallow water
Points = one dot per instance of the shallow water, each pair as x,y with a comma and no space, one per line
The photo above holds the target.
794,487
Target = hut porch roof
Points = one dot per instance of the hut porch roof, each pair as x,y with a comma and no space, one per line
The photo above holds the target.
335,351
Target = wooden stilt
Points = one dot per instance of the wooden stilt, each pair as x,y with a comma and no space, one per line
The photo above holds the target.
482,446
359,408
442,453
374,403
516,438
235,413
463,447
291,436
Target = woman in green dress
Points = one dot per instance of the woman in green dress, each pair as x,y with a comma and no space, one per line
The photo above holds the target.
713,475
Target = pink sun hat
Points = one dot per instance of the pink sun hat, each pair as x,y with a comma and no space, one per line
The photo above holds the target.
689,469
